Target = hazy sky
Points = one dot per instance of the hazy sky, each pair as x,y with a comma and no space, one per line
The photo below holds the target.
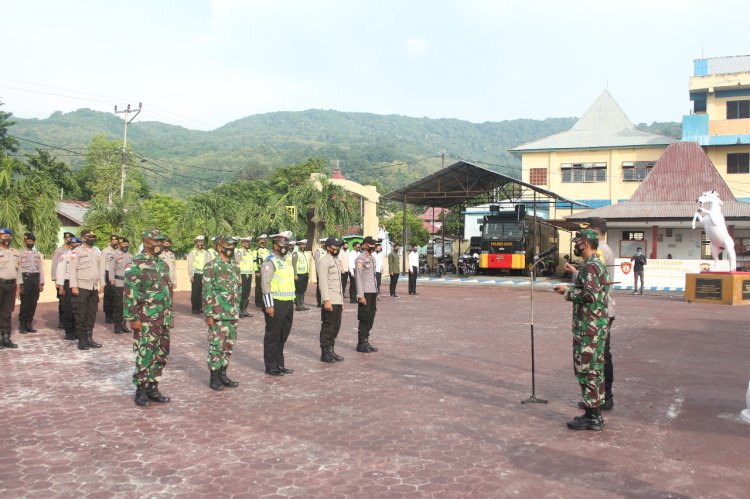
203,63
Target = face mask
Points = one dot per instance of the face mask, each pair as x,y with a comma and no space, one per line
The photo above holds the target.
228,252
124,248
335,252
199,245
369,249
30,245
283,250
90,240
114,244
638,252
578,251
5,242
157,249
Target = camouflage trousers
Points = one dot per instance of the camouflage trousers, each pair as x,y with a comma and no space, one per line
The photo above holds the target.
151,347
221,338
588,365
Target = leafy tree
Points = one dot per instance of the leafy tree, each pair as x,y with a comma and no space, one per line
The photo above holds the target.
28,204
115,218
163,212
7,143
100,178
56,171
415,230
323,208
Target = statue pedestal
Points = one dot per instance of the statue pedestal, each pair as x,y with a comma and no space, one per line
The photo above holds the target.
724,288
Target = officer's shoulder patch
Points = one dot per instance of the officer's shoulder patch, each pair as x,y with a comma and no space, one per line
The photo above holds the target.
359,264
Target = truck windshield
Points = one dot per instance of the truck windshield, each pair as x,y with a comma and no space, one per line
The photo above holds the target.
504,230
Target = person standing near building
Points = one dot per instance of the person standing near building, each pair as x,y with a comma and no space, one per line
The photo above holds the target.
63,289
246,260
316,256
367,292
413,269
344,266
147,306
31,279
589,297
329,283
261,253
122,258
85,286
639,261
109,290
168,257
378,257
9,286
394,268
196,261
277,285
353,255
301,265
53,274
222,293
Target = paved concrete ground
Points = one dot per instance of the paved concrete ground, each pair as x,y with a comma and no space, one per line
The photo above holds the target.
436,412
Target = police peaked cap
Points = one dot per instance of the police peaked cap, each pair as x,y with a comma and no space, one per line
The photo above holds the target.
246,238
199,238
75,240
263,236
303,241
5,230
287,234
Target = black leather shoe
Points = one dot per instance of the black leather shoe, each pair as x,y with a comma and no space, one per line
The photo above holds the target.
336,356
370,347
118,329
6,343
152,392
325,355
274,372
30,329
284,370
215,382
71,336
82,344
90,341
141,399
362,348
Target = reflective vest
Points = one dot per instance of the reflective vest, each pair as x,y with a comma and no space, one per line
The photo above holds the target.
282,284
247,262
199,261
302,265
262,254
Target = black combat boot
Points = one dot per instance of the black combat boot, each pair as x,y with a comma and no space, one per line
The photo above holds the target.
225,379
362,347
83,343
336,356
29,328
325,355
22,327
118,328
591,420
153,393
370,347
70,335
5,342
215,383
141,398
90,340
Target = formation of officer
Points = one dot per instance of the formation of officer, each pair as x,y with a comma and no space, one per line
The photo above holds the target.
589,296
116,272
222,291
108,299
261,253
332,296
62,282
246,257
9,286
31,280
147,306
367,292
278,293
196,260
86,282
53,273
301,265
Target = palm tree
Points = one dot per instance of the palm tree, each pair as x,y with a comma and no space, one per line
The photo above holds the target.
326,207
29,204
117,218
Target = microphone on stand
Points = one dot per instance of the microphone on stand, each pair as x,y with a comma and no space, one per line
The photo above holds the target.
545,253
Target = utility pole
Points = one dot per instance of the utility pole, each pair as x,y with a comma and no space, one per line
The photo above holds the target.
127,111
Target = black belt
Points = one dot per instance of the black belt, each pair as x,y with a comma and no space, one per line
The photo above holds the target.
7,281
119,277
30,274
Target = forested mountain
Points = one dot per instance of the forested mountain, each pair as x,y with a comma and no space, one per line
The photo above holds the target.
386,150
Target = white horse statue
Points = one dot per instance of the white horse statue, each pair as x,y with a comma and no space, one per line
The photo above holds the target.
716,228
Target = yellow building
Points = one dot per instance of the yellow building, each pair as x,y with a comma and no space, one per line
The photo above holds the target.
720,121
600,161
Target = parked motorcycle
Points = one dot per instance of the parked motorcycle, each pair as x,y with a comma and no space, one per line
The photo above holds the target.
468,265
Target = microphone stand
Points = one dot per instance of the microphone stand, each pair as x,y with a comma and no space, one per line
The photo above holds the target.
538,258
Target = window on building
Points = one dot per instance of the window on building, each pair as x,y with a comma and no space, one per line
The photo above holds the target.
738,162
738,109
633,235
636,171
538,176
584,172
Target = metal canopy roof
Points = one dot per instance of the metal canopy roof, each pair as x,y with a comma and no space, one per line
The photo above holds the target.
463,181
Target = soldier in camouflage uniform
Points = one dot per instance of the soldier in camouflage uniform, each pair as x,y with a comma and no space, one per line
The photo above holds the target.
148,308
589,297
222,292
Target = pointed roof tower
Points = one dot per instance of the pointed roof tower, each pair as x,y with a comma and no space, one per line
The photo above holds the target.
604,125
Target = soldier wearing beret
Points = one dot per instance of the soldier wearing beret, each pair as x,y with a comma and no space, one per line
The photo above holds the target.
222,291
147,305
589,297
9,286
31,279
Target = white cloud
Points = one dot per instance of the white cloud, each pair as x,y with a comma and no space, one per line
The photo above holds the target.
414,48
